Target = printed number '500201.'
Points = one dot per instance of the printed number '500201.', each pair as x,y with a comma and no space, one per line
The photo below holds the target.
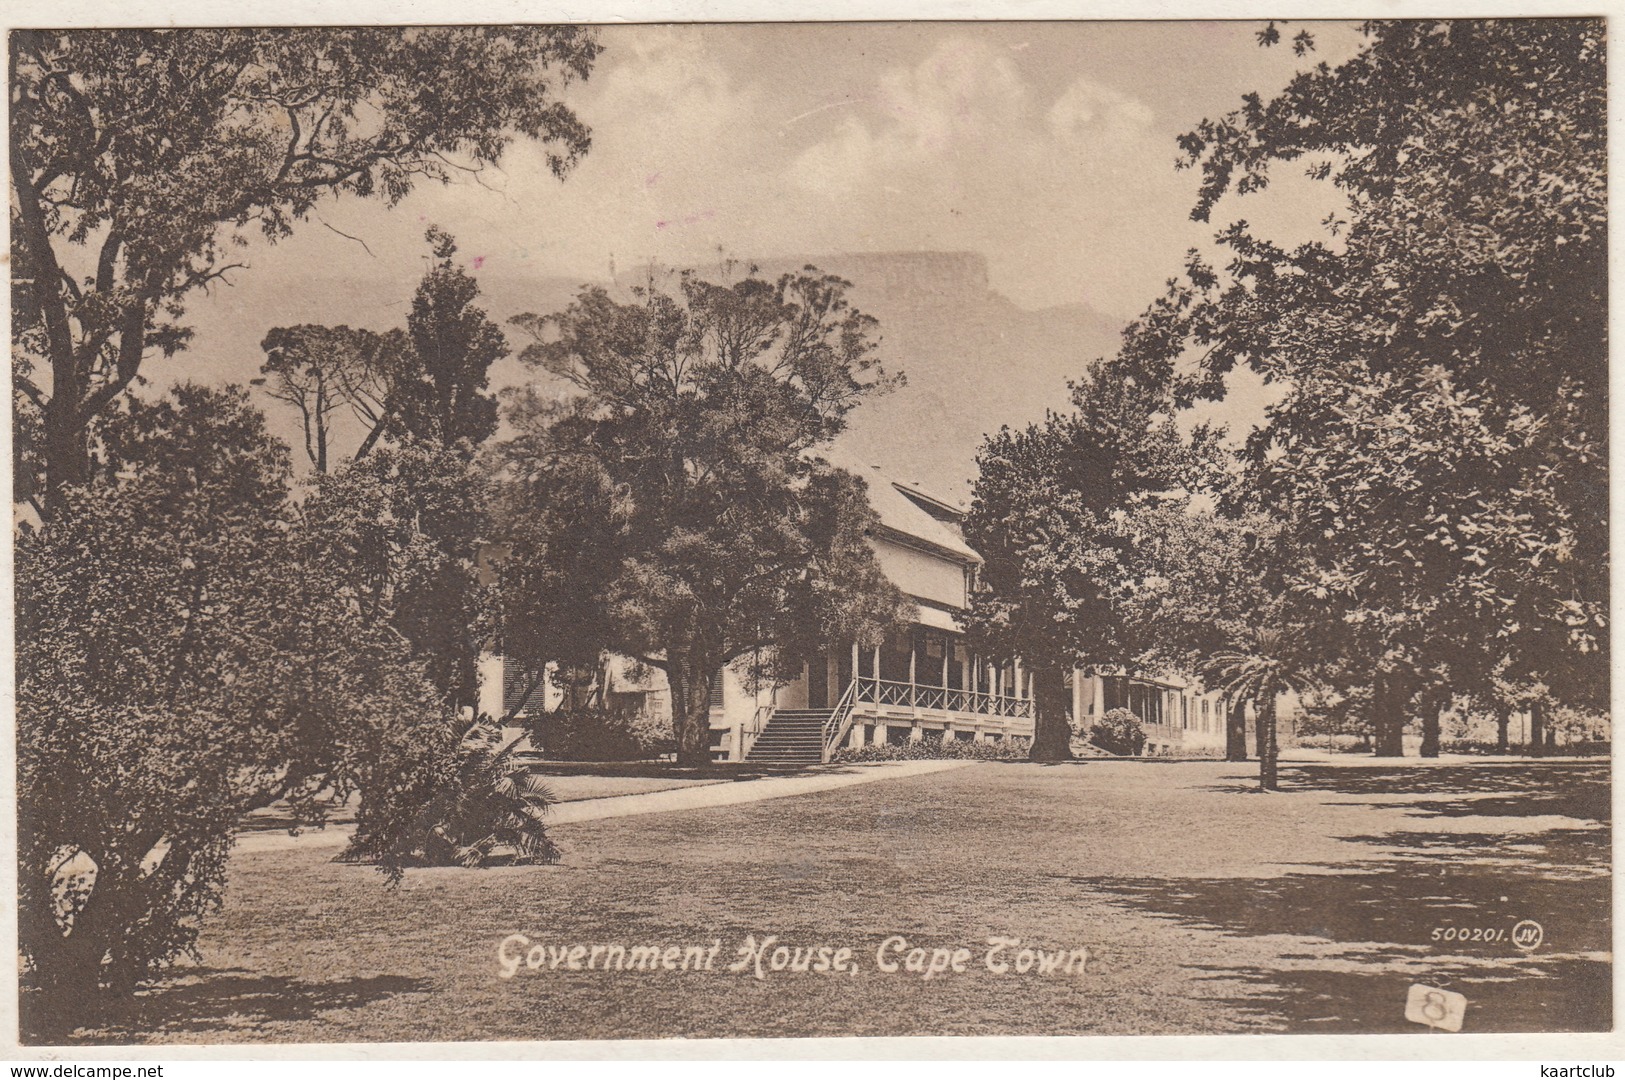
1526,935
1469,933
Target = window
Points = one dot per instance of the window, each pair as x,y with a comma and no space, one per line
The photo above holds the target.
522,690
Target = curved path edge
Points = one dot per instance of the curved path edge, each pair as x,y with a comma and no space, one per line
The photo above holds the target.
653,802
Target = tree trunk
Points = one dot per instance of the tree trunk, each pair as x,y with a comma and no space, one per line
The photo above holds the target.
321,423
1387,718
1432,706
1052,734
1537,728
690,681
1235,732
1268,752
1503,719
1430,731
67,450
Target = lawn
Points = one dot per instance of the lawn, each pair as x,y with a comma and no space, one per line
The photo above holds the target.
1204,909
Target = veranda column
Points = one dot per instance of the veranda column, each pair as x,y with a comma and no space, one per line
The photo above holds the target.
913,662
1077,699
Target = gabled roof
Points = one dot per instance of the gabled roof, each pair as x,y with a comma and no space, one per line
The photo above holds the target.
894,503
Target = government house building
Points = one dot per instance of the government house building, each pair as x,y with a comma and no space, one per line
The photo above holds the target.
923,682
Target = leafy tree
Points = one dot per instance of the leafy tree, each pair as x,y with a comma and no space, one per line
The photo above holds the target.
439,395
676,493
399,533
323,370
139,158
1050,515
425,384
1441,447
562,523
1196,584
175,669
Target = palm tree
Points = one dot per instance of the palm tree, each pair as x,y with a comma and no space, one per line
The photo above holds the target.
488,800
1258,674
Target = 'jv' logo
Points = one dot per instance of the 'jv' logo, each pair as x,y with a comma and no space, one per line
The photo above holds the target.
1528,935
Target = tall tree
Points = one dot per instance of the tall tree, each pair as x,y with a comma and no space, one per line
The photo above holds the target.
679,482
425,384
139,158
439,395
1050,517
1200,584
1441,443
310,368
400,533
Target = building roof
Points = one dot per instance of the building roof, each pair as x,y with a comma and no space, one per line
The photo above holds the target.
902,515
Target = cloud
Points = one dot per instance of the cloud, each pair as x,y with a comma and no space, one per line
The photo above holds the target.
664,72
965,91
962,102
1089,112
965,108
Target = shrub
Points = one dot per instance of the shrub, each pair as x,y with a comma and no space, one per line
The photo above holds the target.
1588,748
1337,744
178,664
592,733
1118,732
1011,748
456,810
1211,753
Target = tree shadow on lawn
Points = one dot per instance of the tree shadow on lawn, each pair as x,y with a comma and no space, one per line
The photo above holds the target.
1522,790
1534,778
203,1002
1391,907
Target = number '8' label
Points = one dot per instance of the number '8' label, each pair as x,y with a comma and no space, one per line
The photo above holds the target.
1433,1007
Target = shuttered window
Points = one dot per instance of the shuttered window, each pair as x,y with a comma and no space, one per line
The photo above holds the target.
517,679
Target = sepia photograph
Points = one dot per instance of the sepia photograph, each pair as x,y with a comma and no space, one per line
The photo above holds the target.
581,531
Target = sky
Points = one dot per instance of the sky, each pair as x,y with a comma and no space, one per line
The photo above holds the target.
1048,148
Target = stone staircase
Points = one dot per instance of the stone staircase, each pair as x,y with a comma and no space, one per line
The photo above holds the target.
791,737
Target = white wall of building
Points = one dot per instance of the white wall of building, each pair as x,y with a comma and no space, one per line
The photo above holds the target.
922,575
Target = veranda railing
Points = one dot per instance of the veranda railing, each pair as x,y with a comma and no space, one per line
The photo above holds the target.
872,691
914,696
